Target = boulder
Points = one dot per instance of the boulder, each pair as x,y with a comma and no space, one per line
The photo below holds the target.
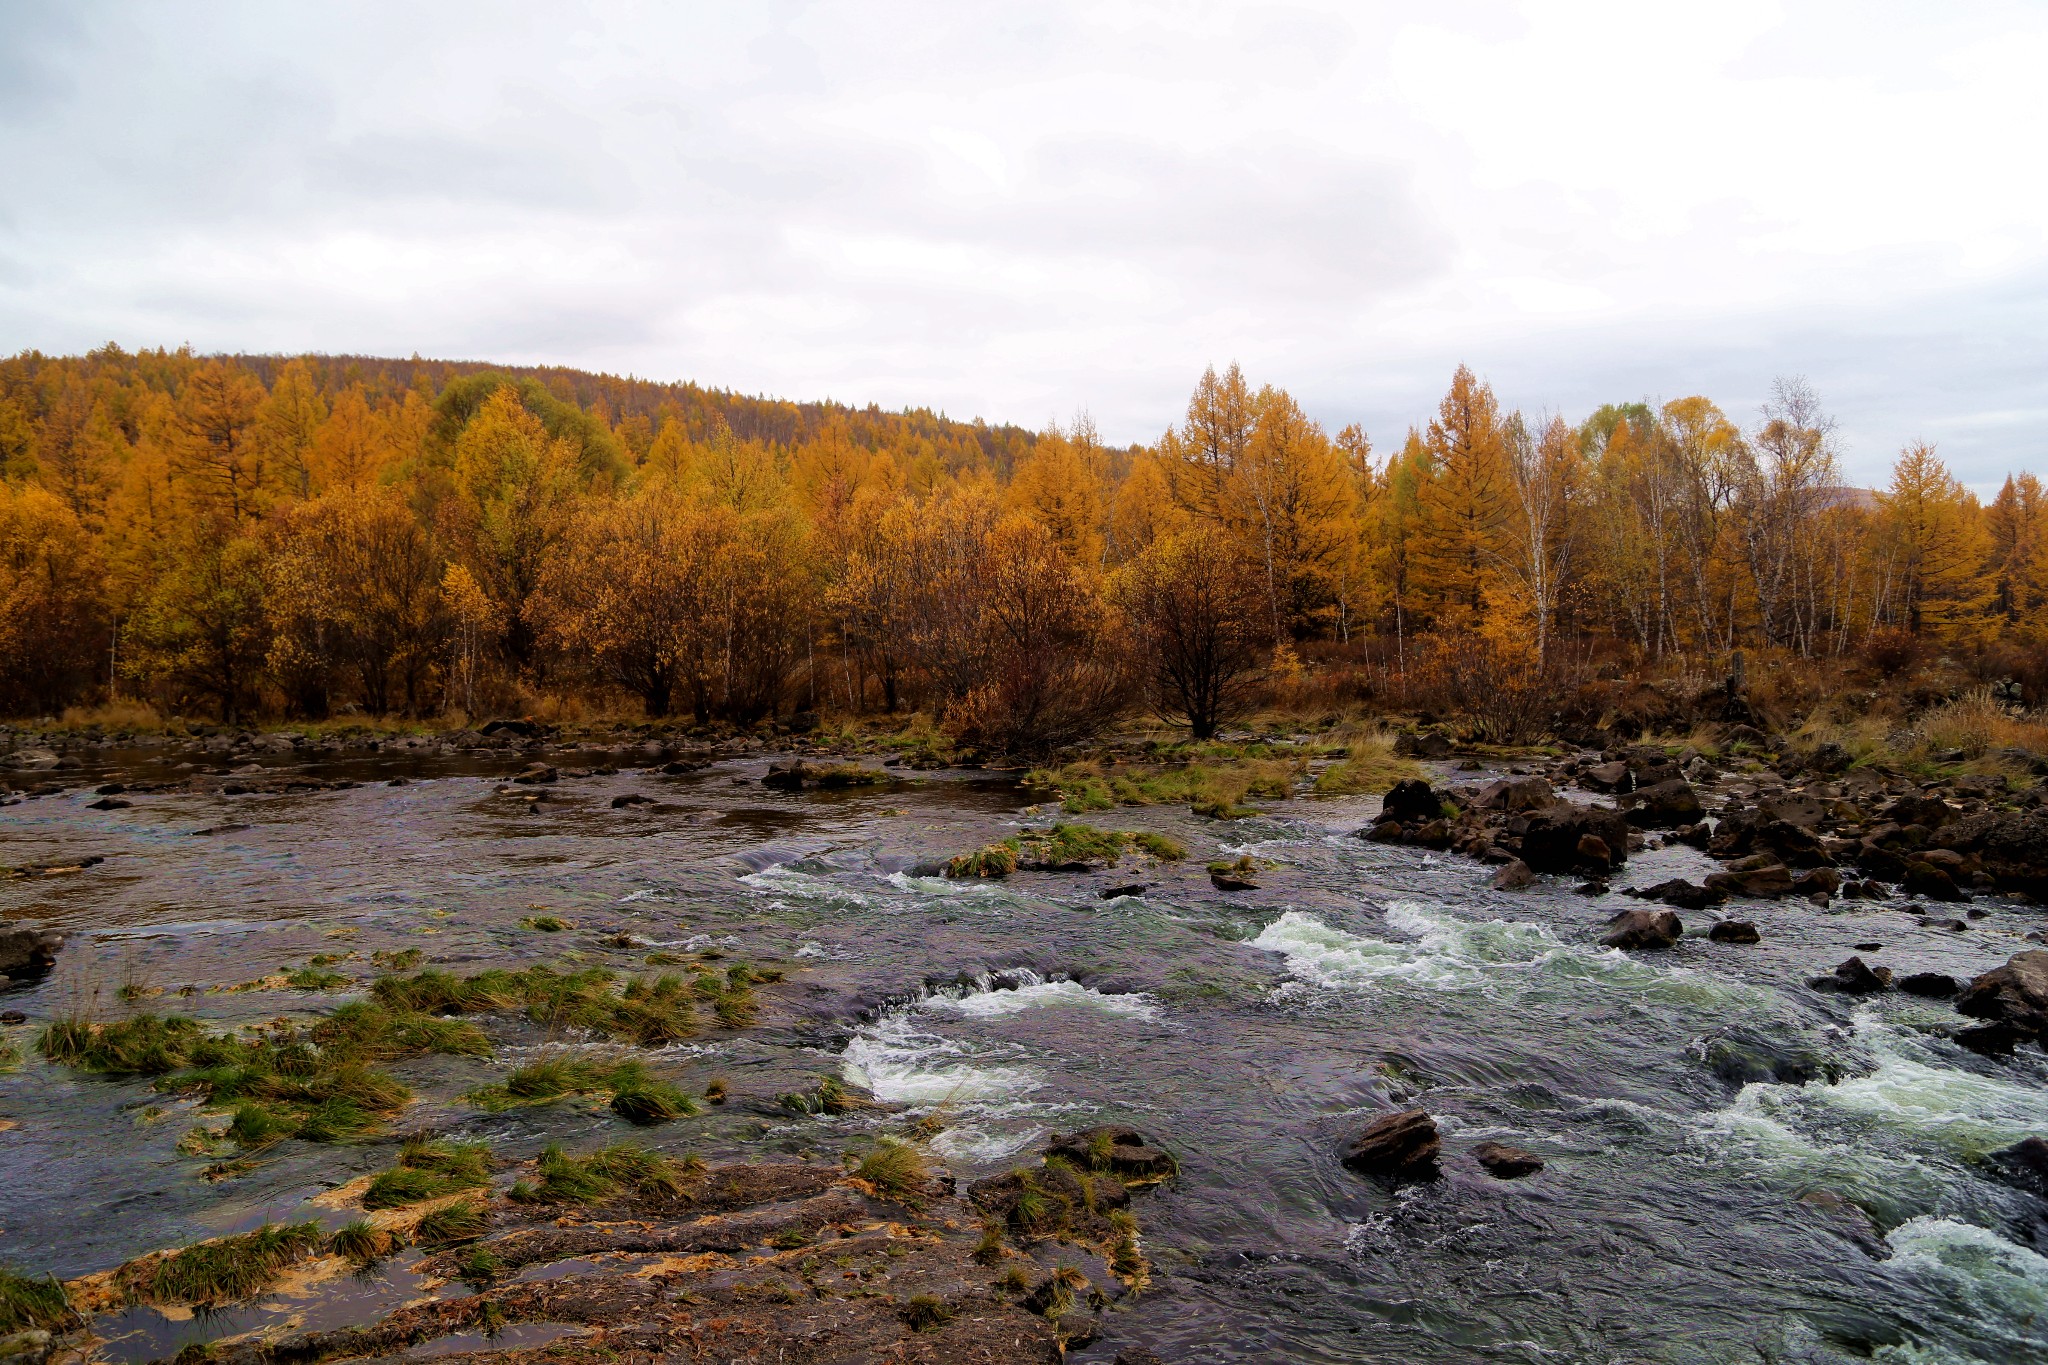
2015,994
1515,793
1745,1055
1123,1152
1403,1145
1991,1040
1664,804
2025,1163
1734,931
1513,877
1767,882
1503,1162
1646,929
1802,811
1930,882
1410,802
1823,881
1932,985
2010,846
1554,836
631,799
1681,893
518,729
26,954
789,776
1829,758
1614,777
1853,978
1428,744
1926,810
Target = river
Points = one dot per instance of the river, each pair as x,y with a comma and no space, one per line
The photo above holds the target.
1837,1212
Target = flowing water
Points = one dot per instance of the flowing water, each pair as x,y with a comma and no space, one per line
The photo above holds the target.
1843,1212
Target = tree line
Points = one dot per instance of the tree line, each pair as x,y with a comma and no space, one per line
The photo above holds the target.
299,537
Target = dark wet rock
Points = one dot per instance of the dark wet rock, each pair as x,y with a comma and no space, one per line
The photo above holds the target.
1515,793
1615,777
26,954
1643,929
1403,1145
517,729
1139,1355
1953,926
1734,931
1682,894
1595,887
1829,758
1115,1149
1744,1056
631,799
1801,811
12,1017
1555,839
1926,810
1503,1162
1932,985
1110,893
1925,879
1232,879
1664,804
1428,744
1854,978
108,803
1514,876
2015,994
789,776
1744,833
220,829
1823,881
2011,847
1991,1040
538,774
1766,882
2025,1164
1410,801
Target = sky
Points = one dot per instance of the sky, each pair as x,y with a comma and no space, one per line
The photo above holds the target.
1023,212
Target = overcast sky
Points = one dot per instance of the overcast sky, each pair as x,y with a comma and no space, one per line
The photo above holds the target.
1020,211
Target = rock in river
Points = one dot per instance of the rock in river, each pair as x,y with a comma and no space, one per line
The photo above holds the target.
1402,1145
1734,931
1503,1162
2015,994
1643,929
26,954
1854,978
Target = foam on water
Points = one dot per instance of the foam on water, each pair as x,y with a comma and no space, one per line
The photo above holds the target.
1998,1287
1445,952
986,1088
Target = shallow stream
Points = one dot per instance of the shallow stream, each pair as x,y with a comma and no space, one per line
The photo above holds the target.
1683,1215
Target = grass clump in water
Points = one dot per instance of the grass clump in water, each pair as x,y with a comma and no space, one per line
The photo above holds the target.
286,1080
849,775
895,1168
1211,780
10,1056
1062,848
215,1274
645,1010
637,1095
428,1169
363,1244
457,1222
830,1097
400,960
314,979
546,924
27,1303
623,1166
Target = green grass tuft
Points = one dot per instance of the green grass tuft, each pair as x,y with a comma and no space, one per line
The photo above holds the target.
215,1274
924,1313
427,1170
895,1168
363,1244
457,1222
27,1303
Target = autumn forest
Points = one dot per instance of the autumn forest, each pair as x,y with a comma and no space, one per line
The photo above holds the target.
252,538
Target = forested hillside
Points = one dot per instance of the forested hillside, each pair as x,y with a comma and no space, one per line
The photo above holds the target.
253,537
